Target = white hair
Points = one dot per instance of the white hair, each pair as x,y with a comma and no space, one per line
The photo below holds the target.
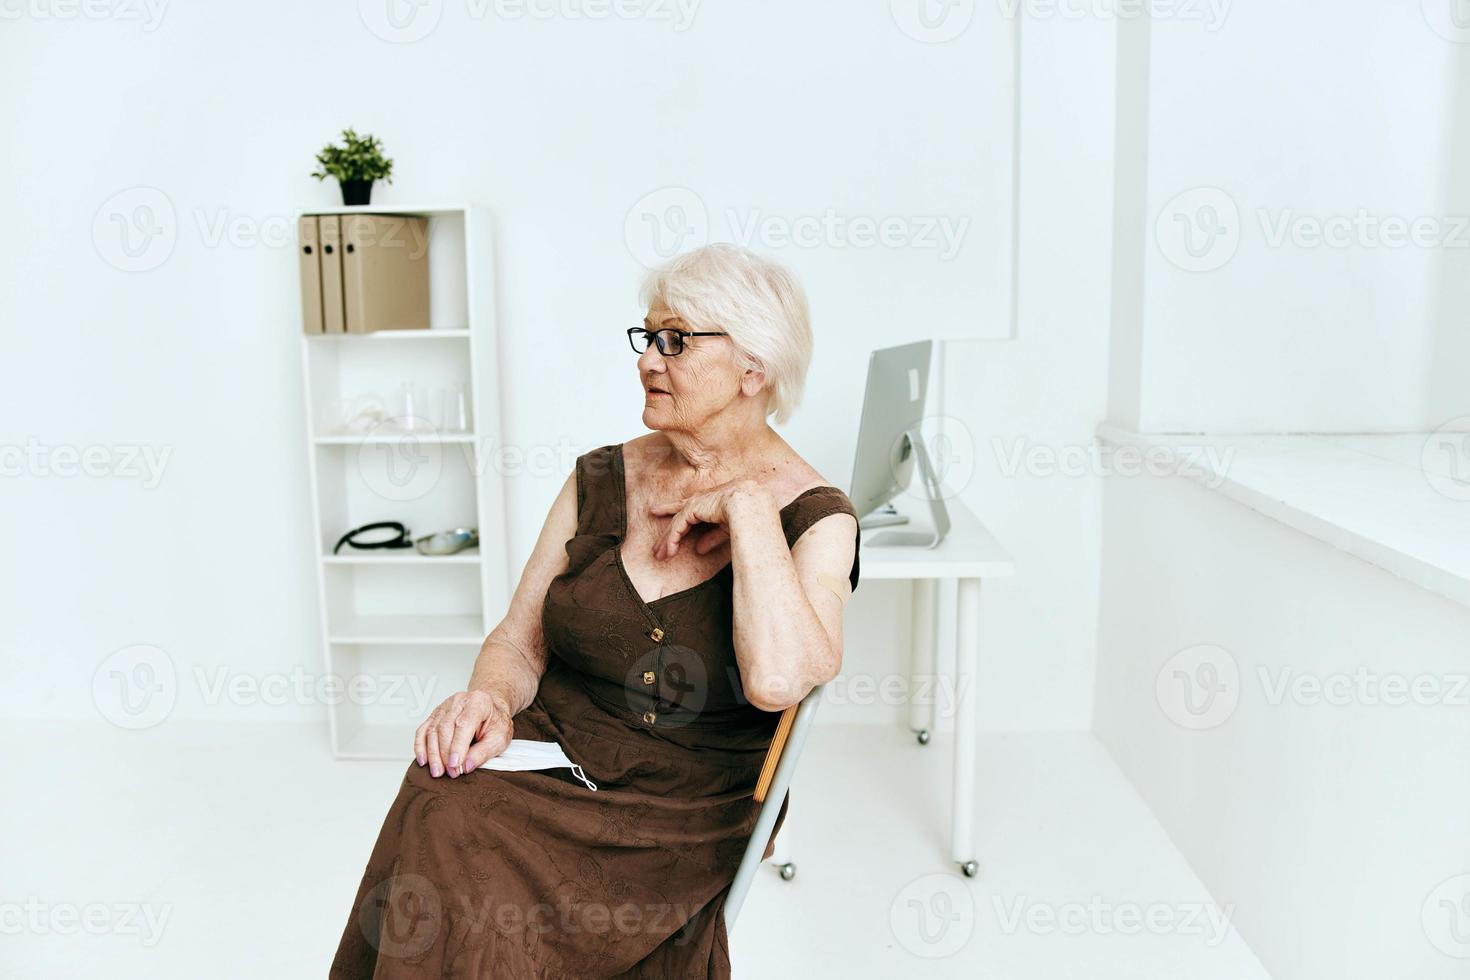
757,301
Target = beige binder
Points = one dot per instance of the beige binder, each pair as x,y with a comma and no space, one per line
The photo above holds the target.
385,272
330,233
309,251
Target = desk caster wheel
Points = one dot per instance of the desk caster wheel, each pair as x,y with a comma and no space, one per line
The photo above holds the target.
924,737
788,871
970,868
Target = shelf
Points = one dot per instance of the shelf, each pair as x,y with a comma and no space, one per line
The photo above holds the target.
378,742
393,438
405,630
386,613
437,209
403,556
392,335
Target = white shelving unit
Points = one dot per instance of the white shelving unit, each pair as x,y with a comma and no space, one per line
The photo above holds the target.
400,630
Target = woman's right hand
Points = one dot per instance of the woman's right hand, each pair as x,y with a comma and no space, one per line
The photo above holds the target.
464,731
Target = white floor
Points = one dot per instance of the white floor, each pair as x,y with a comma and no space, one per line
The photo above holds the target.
228,851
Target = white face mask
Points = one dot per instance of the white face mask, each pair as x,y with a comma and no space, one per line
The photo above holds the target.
523,753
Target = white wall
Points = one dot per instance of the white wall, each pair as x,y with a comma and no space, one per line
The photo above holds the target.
1285,118
1021,414
1302,792
1331,828
1030,402
563,126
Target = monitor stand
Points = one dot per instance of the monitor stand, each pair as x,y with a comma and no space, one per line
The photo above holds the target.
884,516
887,515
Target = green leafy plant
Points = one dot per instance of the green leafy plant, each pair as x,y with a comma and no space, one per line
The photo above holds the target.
356,158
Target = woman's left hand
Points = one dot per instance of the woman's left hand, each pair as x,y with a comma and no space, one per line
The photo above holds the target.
713,507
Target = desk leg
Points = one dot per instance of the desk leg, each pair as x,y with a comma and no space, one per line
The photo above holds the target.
923,646
967,652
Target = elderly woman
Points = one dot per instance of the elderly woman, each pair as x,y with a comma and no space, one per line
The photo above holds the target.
687,586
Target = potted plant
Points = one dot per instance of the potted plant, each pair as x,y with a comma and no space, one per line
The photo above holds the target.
356,163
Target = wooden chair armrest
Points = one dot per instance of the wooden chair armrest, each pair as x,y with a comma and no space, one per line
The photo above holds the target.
773,754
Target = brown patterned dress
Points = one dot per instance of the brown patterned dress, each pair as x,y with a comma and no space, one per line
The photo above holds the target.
530,875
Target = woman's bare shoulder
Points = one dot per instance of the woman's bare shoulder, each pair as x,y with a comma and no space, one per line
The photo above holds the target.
793,476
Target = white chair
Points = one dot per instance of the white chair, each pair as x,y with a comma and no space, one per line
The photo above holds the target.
784,753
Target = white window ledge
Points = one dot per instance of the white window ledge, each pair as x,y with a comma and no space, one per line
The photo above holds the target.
1400,501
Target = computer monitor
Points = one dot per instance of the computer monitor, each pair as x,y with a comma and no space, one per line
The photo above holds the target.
890,447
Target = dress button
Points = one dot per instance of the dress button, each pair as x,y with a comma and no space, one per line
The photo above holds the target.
649,716
648,677
656,635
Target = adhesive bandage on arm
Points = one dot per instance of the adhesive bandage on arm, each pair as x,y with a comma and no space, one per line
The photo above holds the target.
840,587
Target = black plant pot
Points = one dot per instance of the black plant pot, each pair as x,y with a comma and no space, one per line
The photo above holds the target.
356,192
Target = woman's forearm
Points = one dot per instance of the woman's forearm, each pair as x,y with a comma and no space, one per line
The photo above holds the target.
780,645
507,672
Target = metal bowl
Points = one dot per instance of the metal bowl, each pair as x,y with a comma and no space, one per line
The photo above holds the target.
447,542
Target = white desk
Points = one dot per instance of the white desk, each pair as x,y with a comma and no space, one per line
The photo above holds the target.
968,554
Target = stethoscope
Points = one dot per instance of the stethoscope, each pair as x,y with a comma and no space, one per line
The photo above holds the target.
370,537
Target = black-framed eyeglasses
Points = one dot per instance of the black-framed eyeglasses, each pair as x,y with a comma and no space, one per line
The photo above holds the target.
670,341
